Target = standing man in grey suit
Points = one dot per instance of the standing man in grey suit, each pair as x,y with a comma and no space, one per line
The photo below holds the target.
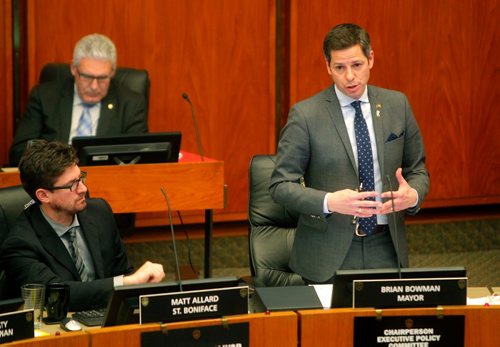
336,156
90,103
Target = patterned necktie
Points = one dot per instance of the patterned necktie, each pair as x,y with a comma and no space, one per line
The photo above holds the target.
75,254
85,122
365,164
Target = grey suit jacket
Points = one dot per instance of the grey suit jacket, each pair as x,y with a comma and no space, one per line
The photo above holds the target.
315,145
34,253
49,108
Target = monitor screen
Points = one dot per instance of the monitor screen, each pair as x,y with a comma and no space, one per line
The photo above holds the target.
123,306
342,283
11,305
128,149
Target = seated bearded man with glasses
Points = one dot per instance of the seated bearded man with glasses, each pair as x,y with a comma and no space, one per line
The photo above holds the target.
87,104
64,236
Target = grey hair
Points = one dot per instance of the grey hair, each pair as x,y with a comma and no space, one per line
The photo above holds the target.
95,46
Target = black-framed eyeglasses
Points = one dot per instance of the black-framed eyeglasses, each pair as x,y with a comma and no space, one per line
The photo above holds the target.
73,186
90,78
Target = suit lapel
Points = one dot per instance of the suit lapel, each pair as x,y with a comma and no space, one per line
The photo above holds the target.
378,126
51,242
108,112
339,123
91,235
66,109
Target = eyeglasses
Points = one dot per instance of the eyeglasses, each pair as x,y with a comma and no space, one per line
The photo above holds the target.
73,186
90,78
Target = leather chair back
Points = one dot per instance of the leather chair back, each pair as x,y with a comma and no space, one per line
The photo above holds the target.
272,229
135,79
12,202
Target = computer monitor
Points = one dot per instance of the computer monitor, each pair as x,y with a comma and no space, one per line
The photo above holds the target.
162,147
123,306
11,305
342,283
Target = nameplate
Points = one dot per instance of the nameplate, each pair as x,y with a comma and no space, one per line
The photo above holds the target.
428,331
16,326
234,335
191,305
420,292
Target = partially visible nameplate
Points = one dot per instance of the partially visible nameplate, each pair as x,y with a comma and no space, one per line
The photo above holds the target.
429,331
234,334
420,292
191,305
16,326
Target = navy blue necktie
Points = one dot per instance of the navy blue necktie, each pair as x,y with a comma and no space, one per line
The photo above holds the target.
365,164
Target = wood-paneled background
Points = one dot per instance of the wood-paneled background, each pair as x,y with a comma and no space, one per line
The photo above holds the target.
225,55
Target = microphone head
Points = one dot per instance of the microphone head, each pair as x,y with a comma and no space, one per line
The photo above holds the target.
185,96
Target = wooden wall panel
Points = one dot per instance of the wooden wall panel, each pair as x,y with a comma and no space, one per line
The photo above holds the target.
6,119
444,56
219,52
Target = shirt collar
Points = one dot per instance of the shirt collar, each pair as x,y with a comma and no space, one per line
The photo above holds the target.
59,228
345,100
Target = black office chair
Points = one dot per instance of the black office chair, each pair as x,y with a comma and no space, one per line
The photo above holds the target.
135,79
272,229
12,202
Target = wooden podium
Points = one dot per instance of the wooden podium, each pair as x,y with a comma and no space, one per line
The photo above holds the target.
190,184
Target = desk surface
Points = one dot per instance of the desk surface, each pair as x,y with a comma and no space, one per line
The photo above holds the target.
190,184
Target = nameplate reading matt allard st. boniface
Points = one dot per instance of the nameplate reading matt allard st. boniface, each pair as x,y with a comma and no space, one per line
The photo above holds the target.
421,292
191,305
16,326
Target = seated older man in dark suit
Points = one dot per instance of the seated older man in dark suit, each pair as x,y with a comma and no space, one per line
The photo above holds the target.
90,103
66,237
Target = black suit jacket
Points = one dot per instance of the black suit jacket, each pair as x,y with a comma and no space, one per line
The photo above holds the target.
50,106
34,253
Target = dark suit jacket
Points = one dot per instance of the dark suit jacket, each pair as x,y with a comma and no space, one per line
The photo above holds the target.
49,108
34,253
315,145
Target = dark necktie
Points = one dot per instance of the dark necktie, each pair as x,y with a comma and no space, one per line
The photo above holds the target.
365,164
75,254
85,123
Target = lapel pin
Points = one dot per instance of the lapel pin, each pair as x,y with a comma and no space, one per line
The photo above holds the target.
378,107
110,106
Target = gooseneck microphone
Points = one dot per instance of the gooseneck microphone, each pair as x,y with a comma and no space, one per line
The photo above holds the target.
393,214
195,122
173,237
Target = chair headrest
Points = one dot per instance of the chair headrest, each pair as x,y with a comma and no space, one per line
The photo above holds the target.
12,203
136,80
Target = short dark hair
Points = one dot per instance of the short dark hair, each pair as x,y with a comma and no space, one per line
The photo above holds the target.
43,163
345,36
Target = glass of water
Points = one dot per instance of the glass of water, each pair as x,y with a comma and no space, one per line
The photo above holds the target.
34,298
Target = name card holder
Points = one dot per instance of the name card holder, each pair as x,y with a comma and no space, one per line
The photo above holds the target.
430,331
407,293
193,305
17,325
234,334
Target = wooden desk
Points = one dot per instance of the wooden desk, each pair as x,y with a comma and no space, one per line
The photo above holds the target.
336,327
190,184
274,329
74,339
